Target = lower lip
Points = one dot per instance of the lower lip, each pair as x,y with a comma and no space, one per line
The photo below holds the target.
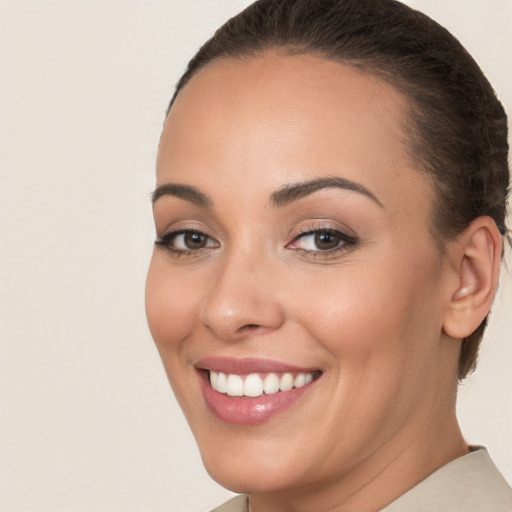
250,411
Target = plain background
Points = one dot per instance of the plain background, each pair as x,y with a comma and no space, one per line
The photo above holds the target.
88,421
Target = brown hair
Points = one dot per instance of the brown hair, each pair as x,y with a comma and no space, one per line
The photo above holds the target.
458,128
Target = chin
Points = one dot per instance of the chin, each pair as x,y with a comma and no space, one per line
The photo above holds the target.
248,478
251,467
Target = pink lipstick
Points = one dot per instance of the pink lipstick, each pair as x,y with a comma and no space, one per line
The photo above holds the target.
251,391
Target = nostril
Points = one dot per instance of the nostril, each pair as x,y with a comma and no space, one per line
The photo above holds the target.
249,327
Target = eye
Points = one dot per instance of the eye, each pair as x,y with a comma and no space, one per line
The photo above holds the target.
190,240
323,240
185,242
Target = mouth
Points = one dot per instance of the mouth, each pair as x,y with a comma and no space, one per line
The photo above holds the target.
255,384
252,391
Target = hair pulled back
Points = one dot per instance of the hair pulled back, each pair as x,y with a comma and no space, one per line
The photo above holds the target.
457,128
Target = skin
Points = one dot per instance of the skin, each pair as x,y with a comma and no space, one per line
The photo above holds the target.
372,316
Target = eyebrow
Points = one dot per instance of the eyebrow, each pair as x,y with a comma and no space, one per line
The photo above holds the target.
295,191
186,192
281,197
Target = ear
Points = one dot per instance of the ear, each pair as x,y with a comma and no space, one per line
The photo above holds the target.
477,264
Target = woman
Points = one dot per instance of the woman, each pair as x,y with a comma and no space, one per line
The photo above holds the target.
330,207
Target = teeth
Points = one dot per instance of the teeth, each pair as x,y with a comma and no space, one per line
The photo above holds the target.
271,384
253,385
300,380
214,379
222,383
286,382
235,385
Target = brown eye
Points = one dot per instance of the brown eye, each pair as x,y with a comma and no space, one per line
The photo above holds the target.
194,240
186,242
325,241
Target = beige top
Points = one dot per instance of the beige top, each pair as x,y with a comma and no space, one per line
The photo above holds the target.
470,483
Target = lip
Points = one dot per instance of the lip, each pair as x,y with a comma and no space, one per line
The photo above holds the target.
247,366
246,410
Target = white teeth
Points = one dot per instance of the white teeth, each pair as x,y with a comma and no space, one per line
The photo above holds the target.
214,377
300,380
253,385
235,386
271,384
222,383
286,382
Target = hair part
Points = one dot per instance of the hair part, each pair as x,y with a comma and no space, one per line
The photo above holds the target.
457,128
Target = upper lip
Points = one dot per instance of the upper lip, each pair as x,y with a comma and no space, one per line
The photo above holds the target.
247,366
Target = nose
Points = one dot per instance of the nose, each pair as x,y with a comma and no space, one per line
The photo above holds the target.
243,299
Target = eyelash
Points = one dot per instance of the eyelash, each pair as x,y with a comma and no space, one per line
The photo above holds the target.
167,239
345,242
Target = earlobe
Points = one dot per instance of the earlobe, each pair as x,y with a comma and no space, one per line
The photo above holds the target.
477,267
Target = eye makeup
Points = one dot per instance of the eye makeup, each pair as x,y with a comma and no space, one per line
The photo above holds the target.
186,242
322,242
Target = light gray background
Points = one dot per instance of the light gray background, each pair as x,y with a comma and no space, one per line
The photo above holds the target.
88,422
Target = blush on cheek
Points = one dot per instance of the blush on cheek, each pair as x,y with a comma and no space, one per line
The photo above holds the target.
160,310
171,311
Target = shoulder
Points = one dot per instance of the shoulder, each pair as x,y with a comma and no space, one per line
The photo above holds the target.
471,483
236,504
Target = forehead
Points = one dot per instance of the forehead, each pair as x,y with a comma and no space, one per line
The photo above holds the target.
271,119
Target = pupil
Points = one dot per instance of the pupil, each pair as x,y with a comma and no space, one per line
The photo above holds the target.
326,241
195,240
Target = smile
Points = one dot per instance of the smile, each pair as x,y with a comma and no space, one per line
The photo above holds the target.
252,391
255,384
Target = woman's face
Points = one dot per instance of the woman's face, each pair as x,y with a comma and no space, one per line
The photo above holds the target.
294,246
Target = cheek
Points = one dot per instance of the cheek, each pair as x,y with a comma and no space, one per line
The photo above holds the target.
171,312
379,315
171,304
376,326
